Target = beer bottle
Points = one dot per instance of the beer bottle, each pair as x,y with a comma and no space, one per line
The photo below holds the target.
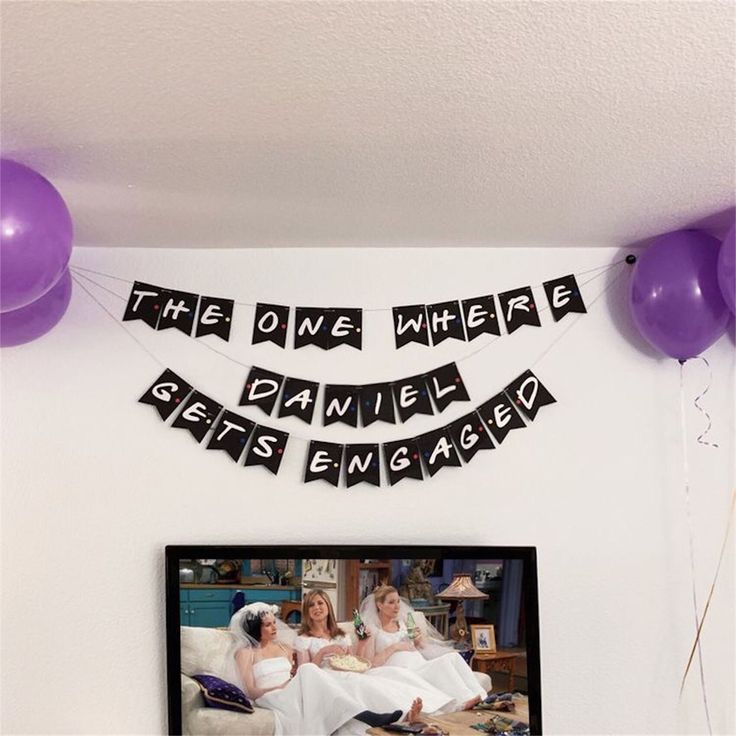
411,627
360,631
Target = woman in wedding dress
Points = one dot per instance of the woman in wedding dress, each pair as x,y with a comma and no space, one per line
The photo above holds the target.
391,644
383,689
304,700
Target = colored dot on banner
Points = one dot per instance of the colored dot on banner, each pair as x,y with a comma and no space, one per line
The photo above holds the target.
457,319
458,379
518,401
490,422
531,306
352,408
357,329
335,465
324,328
424,393
155,306
176,401
227,319
247,385
280,450
374,465
493,316
480,429
283,327
208,421
415,456
426,454
242,440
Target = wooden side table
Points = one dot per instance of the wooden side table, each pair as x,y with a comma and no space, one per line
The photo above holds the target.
496,662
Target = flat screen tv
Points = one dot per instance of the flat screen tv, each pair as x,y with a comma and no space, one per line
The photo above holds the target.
456,626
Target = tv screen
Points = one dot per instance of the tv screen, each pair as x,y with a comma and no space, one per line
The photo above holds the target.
352,639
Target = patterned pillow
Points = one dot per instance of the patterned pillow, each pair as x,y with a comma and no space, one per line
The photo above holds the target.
220,694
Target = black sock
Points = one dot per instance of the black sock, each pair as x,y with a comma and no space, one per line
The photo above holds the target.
378,719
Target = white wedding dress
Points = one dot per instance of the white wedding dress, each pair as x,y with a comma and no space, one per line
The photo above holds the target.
380,689
448,672
311,704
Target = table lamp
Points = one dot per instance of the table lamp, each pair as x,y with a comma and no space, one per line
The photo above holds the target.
461,589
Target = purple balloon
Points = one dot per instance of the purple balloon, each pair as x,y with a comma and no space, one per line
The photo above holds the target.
35,235
727,269
37,318
675,298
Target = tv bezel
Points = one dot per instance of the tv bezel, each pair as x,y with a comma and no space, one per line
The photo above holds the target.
530,590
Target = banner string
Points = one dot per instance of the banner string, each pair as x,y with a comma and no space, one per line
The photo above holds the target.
458,360
688,514
603,267
291,435
696,643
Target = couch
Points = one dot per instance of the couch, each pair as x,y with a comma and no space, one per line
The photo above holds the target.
207,651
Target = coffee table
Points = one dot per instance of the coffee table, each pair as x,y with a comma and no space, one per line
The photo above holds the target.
459,724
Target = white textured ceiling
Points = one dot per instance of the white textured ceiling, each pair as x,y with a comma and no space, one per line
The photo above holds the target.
228,124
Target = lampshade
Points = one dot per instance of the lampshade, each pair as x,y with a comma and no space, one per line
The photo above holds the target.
461,588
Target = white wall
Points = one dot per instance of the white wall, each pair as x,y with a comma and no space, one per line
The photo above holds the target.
94,485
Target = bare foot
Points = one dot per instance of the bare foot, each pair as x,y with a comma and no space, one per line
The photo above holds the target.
412,715
472,703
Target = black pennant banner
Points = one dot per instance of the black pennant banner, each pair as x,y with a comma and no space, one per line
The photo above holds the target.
362,465
528,394
519,308
410,325
298,399
166,393
261,389
270,324
446,385
231,434
480,317
377,404
214,317
345,327
267,448
341,405
563,295
500,416
177,310
445,320
469,435
144,303
311,327
437,451
198,415
412,397
324,460
402,460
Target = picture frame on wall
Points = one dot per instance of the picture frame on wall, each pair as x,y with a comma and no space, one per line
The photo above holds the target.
483,638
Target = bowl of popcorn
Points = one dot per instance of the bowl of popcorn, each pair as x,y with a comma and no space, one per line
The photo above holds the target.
349,663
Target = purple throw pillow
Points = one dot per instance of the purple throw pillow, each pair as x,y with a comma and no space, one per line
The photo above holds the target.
220,694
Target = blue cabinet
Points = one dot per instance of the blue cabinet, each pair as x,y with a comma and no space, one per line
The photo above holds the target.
212,607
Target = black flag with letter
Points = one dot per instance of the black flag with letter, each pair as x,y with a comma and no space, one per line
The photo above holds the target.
215,317
144,303
311,327
270,324
267,448
166,393
341,405
345,327
377,404
231,434
500,416
298,399
402,460
519,308
177,310
323,462
410,325
198,415
529,395
469,435
362,465
261,389
564,296
412,397
445,320
437,451
446,385
480,316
